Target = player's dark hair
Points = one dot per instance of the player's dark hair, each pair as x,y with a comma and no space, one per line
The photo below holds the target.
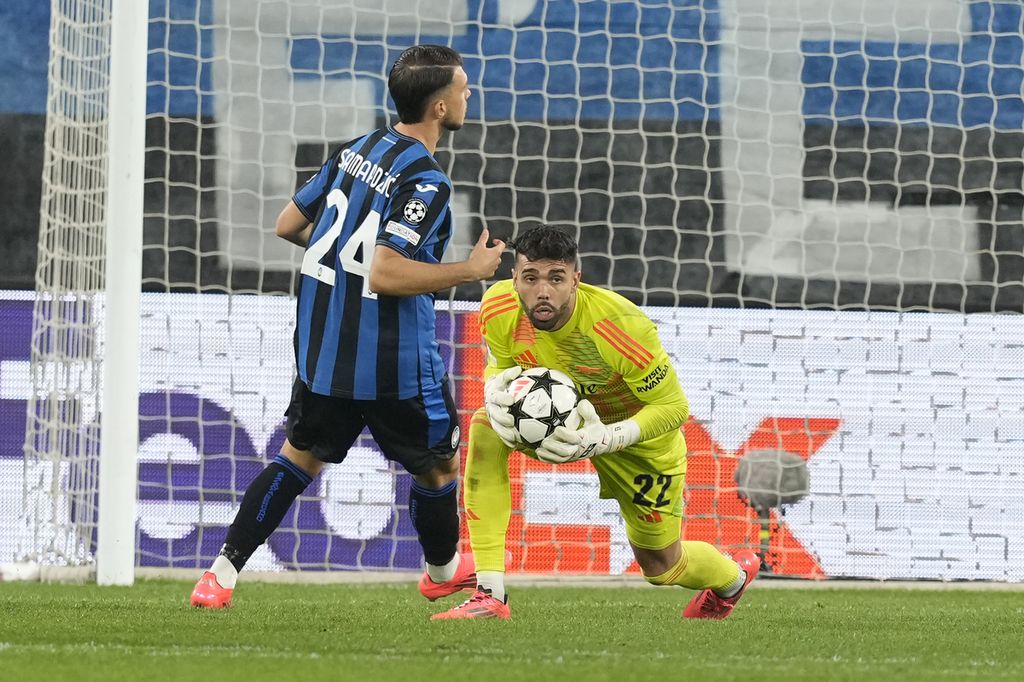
418,73
546,242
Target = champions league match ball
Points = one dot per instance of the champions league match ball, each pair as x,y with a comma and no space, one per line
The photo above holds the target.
544,400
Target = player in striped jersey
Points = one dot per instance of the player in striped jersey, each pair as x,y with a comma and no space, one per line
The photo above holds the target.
633,411
375,222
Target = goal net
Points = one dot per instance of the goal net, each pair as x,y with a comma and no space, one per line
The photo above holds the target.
818,202
62,439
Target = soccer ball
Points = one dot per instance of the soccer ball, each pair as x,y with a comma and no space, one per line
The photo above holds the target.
544,400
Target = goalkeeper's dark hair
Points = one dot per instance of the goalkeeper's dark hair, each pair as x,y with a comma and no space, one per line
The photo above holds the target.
546,242
419,72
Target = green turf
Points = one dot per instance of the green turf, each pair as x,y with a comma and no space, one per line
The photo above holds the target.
357,632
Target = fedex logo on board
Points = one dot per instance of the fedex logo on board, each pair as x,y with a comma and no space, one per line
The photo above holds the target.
200,445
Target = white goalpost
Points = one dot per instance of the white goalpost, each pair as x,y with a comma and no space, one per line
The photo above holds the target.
119,429
88,290
820,203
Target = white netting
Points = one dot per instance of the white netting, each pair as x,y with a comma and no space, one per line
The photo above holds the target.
820,156
62,445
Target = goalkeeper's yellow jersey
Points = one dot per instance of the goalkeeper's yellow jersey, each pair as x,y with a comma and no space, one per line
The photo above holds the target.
611,350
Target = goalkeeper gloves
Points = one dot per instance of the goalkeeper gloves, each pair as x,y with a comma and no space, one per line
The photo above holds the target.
592,439
497,400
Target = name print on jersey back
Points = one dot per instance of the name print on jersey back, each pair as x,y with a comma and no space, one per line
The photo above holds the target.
362,169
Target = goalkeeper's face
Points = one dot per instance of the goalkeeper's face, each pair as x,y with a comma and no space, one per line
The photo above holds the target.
547,290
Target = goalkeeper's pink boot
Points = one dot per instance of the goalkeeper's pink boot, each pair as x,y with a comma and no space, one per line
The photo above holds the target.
710,606
464,579
480,605
209,594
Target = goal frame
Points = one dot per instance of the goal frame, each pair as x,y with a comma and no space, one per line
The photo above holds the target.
126,139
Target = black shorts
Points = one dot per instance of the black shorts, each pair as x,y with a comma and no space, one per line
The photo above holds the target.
416,432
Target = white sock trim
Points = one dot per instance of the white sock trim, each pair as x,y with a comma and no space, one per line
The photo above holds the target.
493,581
442,574
225,571
734,587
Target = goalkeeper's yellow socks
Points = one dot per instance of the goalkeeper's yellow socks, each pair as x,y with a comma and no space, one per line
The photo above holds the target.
700,567
734,587
493,582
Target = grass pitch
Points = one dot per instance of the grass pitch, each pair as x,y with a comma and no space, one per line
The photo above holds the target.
360,632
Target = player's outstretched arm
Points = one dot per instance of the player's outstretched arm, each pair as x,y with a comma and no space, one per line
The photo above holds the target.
394,274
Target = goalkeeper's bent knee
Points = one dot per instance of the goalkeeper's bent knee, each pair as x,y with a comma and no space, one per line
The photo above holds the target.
670,576
700,566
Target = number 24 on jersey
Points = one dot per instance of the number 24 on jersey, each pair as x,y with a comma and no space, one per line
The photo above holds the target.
365,236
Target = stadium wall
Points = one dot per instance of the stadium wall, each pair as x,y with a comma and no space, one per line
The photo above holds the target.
906,423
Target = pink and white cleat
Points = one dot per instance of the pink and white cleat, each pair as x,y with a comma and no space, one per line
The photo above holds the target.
480,605
710,606
464,579
209,594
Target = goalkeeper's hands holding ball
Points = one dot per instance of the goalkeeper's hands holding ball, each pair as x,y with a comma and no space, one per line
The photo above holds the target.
497,400
593,438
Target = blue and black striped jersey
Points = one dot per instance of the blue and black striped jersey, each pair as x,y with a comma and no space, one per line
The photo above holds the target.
382,188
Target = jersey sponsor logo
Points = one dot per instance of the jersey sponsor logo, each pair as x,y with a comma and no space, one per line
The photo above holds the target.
415,211
653,378
425,188
400,230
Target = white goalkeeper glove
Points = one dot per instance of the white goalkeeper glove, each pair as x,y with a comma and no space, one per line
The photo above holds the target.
592,439
497,400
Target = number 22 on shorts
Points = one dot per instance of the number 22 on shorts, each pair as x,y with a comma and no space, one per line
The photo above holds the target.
645,482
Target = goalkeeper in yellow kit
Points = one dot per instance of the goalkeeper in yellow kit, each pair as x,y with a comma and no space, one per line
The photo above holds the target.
634,408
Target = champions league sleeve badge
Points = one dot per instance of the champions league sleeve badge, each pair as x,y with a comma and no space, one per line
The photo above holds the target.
415,211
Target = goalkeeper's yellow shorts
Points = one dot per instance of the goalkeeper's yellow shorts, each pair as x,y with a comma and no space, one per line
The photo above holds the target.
649,490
